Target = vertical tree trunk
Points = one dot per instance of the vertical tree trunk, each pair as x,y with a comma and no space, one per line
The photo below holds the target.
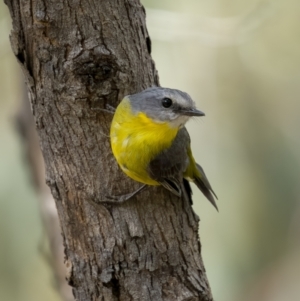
78,56
33,156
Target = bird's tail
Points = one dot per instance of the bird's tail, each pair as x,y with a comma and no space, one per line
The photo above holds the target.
188,190
203,184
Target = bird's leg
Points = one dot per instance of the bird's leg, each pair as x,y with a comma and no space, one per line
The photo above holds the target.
124,197
109,109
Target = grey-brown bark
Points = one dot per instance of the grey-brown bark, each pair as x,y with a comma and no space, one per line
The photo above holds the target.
78,56
33,156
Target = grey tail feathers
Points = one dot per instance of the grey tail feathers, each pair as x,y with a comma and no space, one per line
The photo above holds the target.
205,187
188,190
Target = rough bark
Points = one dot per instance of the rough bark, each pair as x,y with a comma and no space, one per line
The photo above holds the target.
48,212
77,57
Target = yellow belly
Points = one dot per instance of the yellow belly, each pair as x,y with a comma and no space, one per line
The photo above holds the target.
136,140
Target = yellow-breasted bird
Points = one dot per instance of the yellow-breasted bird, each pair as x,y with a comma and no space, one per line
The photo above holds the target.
151,144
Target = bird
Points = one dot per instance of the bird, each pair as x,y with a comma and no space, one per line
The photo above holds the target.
151,144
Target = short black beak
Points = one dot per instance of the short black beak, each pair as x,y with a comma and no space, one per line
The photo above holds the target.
191,112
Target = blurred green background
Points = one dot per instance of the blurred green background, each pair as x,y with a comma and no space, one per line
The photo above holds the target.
240,61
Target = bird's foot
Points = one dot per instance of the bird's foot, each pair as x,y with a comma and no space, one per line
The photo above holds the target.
122,198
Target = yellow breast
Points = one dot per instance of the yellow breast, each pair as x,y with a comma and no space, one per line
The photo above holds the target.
136,140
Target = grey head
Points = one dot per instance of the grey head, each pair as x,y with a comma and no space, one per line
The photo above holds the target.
165,105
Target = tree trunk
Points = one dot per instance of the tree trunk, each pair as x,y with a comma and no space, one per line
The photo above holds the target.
77,57
48,212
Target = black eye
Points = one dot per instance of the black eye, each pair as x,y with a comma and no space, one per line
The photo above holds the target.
166,102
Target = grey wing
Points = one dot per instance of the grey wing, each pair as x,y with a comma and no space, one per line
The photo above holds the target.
167,168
